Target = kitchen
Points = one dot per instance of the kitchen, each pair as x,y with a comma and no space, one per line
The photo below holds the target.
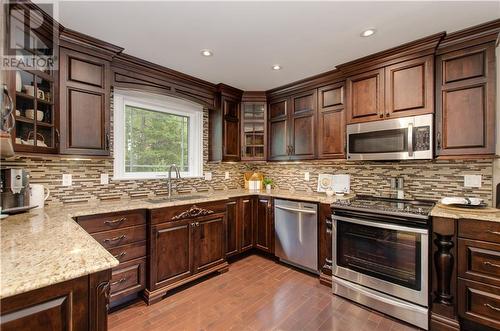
234,178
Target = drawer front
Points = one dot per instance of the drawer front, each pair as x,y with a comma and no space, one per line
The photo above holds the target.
129,252
177,213
115,238
479,260
479,230
128,278
479,303
106,222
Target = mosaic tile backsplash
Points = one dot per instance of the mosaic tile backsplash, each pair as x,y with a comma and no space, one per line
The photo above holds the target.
422,179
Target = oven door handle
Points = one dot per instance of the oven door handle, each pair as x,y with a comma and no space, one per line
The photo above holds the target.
388,226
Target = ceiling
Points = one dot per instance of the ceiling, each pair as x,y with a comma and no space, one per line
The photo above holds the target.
247,38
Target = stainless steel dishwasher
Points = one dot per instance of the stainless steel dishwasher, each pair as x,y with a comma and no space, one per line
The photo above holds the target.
296,233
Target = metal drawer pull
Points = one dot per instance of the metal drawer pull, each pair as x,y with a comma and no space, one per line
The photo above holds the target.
115,238
491,307
488,263
121,280
493,232
113,222
119,256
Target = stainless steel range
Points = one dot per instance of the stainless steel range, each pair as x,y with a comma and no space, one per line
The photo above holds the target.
380,255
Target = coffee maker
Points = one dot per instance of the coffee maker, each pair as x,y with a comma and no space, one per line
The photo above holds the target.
14,188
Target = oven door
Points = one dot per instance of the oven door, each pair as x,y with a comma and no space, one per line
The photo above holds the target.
386,257
395,139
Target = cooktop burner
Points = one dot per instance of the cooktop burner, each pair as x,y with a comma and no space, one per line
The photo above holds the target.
387,205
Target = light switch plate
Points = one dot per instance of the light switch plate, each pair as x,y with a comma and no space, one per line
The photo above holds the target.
306,175
67,180
226,175
472,180
208,176
104,179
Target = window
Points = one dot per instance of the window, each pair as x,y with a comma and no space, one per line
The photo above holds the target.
152,132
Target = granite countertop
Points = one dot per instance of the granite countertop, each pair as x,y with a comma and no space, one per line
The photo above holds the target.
471,214
46,246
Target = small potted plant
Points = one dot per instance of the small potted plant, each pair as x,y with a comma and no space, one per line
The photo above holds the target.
267,182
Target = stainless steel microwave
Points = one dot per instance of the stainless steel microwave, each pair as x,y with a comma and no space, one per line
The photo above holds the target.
406,138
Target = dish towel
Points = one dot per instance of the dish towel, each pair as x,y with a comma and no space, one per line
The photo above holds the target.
461,201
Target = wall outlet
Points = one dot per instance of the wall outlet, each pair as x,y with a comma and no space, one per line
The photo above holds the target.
67,180
208,176
104,179
472,180
226,175
306,176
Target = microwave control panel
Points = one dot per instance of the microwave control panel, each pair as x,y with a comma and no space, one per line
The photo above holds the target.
422,135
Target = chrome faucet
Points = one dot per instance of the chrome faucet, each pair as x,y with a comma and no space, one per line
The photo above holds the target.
177,176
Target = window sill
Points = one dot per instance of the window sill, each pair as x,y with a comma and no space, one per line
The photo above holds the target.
156,178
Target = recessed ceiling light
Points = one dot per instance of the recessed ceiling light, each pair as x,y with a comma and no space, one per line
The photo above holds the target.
206,52
276,67
368,32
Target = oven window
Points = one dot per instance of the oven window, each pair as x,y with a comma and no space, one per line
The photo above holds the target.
387,141
390,255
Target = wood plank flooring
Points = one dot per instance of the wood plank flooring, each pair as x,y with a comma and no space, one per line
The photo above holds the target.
255,294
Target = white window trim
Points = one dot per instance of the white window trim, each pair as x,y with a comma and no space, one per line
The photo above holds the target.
122,98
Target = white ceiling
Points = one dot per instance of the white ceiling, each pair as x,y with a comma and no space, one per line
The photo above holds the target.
247,38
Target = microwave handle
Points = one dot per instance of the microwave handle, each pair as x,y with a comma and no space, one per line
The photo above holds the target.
410,139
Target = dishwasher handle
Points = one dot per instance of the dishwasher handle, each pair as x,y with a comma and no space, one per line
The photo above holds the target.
306,211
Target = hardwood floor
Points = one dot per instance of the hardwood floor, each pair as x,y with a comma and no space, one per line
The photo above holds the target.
255,294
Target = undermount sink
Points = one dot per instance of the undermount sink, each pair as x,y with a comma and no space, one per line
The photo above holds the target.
175,198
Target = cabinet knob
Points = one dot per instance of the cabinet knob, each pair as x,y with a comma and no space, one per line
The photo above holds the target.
439,140
381,115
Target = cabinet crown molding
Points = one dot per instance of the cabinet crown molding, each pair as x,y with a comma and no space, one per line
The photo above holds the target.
227,90
76,38
407,51
483,33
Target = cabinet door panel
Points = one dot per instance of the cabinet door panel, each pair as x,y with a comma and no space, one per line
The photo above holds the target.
209,242
409,88
365,96
278,140
232,228
463,118
263,225
231,130
86,72
171,245
85,119
465,101
303,137
246,216
278,109
331,122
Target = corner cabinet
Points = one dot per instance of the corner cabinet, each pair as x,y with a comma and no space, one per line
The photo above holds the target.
253,131
292,127
465,101
224,125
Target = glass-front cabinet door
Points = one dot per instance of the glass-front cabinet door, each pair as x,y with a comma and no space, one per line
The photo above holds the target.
253,130
33,89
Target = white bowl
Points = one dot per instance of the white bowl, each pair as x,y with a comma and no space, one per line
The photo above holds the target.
30,113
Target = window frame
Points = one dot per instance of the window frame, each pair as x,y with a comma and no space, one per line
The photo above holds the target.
159,103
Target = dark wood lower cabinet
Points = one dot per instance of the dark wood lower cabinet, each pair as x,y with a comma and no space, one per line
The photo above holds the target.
247,212
185,247
325,244
232,225
465,275
77,304
263,225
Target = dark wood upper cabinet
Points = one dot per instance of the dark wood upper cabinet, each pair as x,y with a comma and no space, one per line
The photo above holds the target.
224,125
253,126
409,88
84,95
365,96
292,127
465,100
331,122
